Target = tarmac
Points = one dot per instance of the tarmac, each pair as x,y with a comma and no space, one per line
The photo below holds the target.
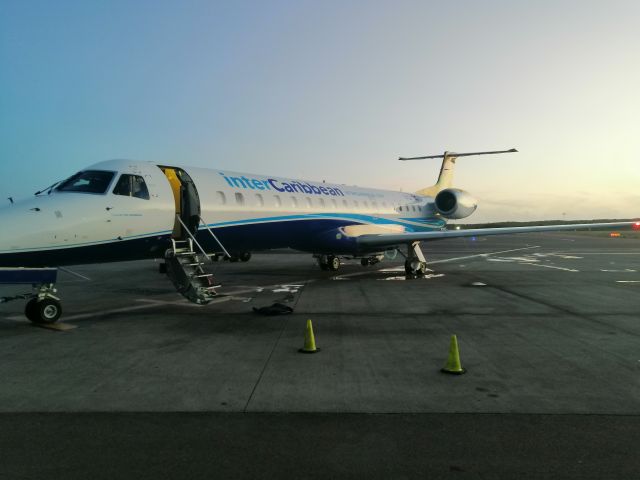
144,384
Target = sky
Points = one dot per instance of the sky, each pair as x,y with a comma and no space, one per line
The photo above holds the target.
335,91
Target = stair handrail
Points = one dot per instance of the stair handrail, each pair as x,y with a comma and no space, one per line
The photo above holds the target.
194,239
214,237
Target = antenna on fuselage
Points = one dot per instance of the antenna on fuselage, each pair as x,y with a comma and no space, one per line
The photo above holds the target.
453,154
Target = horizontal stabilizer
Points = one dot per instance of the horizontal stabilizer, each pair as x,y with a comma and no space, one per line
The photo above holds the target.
453,154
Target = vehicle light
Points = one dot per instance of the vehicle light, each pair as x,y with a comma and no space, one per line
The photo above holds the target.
614,234
636,226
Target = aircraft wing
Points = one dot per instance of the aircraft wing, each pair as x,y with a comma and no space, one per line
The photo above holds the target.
392,239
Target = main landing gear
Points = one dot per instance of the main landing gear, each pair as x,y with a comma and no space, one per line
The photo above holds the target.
332,262
415,264
369,261
329,262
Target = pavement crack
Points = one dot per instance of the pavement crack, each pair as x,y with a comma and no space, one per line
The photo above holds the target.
266,363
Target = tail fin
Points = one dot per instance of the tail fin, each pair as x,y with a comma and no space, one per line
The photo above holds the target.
445,179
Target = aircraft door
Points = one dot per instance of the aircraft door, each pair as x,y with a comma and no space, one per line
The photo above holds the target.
187,200
190,203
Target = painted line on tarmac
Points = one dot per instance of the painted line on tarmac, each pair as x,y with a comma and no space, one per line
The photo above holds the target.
445,260
480,255
75,274
551,266
600,253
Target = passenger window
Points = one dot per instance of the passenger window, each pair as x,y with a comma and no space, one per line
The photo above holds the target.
239,198
413,207
335,204
259,200
365,205
356,206
309,204
374,205
278,200
321,202
294,200
345,203
220,197
131,186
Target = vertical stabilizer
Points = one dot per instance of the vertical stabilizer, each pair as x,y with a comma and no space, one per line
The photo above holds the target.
445,179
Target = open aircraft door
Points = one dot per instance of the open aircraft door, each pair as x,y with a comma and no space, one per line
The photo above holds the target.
187,201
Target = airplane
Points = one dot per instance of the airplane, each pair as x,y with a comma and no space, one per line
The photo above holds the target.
119,210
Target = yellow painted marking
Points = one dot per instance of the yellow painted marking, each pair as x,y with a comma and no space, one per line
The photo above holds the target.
60,327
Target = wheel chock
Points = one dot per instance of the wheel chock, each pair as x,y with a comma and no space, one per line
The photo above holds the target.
309,340
453,365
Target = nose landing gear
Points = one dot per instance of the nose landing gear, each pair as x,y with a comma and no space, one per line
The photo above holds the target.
43,306
43,310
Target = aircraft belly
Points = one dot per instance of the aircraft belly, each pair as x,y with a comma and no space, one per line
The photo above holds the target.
112,251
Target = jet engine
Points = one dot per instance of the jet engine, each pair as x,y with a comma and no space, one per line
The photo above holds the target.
454,203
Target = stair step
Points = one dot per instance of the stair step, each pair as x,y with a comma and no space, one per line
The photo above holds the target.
204,275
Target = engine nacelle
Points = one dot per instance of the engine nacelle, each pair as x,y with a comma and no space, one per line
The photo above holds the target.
454,203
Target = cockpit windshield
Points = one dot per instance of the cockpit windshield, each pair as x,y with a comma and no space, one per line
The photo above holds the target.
89,181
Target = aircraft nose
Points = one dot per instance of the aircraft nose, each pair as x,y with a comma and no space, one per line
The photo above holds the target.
21,230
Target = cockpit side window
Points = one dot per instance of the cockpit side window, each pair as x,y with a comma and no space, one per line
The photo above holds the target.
89,181
131,186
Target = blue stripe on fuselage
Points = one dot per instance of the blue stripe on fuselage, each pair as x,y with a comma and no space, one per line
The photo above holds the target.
249,234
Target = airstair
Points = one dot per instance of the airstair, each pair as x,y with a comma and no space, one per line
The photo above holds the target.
185,267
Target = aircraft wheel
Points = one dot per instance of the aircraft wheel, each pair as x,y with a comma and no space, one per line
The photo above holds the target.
323,263
47,310
412,270
30,309
364,262
333,263
245,256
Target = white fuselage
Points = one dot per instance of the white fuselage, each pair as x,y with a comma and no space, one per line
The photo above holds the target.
248,212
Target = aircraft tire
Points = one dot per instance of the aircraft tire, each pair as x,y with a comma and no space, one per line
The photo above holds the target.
333,262
410,271
323,262
245,256
47,310
30,310
364,262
